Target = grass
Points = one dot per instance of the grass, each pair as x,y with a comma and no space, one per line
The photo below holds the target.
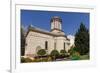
84,57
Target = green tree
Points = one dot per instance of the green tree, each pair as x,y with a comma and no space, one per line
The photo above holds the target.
22,41
82,40
54,54
41,52
71,50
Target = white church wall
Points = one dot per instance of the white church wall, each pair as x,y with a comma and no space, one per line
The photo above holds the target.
37,39
60,43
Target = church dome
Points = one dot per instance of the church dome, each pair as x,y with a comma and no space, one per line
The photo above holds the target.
56,25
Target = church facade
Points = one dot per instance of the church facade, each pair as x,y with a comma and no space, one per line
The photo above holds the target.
37,38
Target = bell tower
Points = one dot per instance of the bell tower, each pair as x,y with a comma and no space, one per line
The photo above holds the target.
56,24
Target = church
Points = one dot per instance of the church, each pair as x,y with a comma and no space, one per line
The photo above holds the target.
37,38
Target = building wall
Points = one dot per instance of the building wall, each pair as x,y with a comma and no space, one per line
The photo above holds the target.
36,41
60,43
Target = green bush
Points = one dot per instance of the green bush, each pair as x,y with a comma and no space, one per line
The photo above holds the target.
43,59
37,60
75,56
25,60
41,52
28,60
63,53
22,59
54,53
72,50
49,58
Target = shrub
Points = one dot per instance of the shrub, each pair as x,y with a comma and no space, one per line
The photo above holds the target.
63,53
72,50
22,59
49,58
54,54
45,59
37,60
25,60
41,52
28,60
75,56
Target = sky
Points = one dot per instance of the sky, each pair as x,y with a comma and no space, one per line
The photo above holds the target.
41,19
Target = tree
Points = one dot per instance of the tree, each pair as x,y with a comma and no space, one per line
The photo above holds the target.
71,50
82,40
22,41
41,52
54,54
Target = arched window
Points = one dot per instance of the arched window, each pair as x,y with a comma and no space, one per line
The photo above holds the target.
46,45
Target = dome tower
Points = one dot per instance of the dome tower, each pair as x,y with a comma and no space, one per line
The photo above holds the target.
56,23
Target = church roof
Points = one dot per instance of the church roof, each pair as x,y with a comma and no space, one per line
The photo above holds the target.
39,30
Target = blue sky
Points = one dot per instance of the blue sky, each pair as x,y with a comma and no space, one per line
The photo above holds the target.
70,20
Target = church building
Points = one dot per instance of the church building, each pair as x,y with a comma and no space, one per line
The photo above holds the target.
37,38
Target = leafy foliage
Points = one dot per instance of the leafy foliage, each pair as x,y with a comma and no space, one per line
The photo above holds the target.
82,40
75,56
25,60
71,50
63,53
41,52
55,53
